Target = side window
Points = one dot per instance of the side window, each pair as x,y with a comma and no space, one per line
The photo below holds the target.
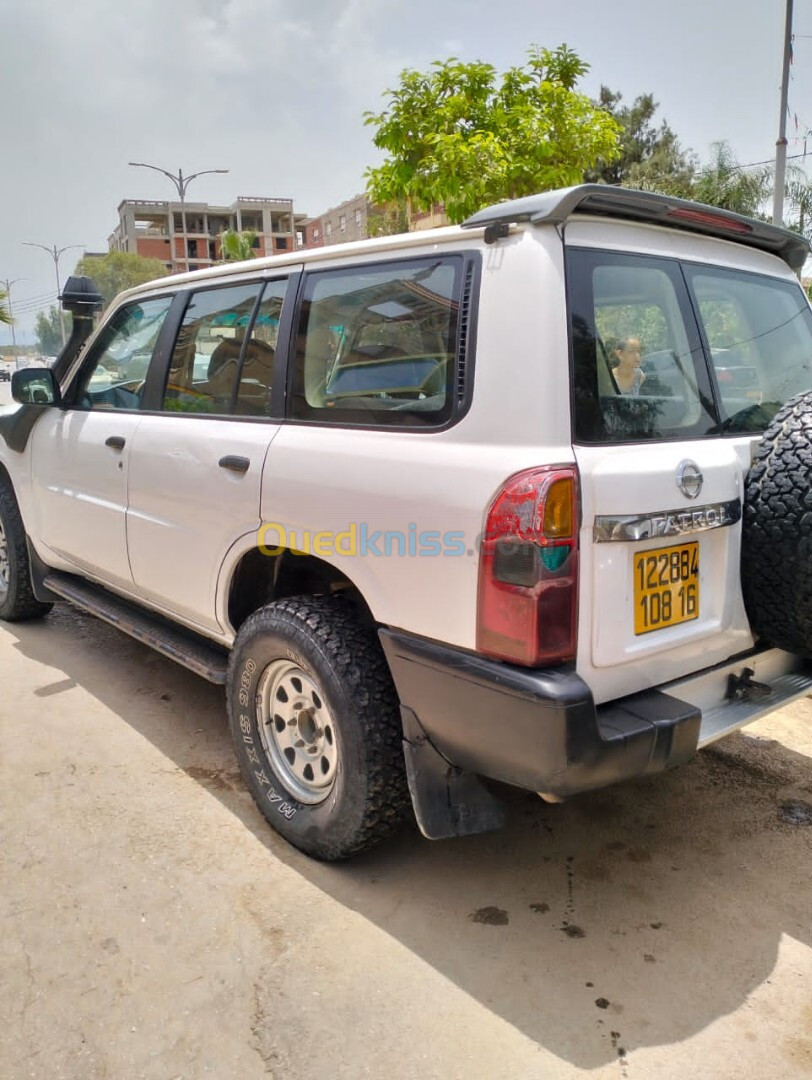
256,375
638,368
114,375
378,344
204,369
758,332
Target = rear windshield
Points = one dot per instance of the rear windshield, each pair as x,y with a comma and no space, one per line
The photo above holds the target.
663,350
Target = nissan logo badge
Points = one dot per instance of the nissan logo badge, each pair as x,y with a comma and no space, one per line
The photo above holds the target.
689,478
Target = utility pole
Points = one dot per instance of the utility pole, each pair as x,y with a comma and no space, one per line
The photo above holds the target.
55,252
181,183
781,144
7,283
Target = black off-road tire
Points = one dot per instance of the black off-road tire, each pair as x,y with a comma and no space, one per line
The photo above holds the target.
343,668
17,600
777,531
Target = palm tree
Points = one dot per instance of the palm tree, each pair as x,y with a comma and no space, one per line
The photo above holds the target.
5,316
237,246
724,183
798,195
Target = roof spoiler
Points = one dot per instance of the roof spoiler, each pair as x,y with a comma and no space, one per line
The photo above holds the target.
555,207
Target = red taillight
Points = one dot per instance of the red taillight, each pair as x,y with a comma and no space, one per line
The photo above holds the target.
706,217
528,569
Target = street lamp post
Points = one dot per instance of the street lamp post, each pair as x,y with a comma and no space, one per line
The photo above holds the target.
181,183
7,283
55,252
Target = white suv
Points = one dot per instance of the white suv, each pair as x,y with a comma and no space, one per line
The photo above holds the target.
472,504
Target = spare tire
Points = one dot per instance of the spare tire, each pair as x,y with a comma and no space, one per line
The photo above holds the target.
777,531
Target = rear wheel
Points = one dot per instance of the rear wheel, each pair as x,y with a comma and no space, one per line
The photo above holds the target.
316,726
17,600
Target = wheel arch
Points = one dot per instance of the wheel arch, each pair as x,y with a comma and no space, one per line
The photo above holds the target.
256,579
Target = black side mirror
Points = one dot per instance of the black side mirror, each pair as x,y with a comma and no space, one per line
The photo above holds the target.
35,386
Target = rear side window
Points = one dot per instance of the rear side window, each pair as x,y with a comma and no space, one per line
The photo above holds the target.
379,344
759,333
639,371
222,360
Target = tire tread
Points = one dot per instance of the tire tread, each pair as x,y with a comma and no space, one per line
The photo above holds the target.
356,656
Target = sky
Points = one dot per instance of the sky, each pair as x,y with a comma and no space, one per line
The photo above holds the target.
275,91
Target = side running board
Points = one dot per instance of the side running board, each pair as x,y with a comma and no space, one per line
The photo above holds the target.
186,648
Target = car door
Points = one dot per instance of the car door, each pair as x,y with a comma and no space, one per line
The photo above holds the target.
197,460
661,489
81,453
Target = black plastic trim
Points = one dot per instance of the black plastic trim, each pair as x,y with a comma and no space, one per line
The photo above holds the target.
285,346
183,646
537,729
39,571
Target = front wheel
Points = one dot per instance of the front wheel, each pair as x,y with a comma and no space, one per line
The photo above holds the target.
17,600
316,726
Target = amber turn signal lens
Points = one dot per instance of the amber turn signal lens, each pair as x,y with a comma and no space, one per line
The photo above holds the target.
558,509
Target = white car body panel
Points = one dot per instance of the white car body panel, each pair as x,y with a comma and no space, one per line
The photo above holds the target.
79,489
185,512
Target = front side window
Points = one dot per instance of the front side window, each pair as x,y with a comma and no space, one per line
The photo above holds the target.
639,371
116,371
378,344
759,332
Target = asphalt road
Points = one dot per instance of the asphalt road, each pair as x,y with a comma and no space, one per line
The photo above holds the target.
155,926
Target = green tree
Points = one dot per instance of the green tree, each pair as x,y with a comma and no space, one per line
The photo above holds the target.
4,313
238,246
457,135
388,220
798,202
723,182
49,331
119,270
650,155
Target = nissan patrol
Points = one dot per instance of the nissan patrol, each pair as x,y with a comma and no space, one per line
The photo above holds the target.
400,498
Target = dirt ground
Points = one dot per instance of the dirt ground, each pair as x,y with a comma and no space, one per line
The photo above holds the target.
155,927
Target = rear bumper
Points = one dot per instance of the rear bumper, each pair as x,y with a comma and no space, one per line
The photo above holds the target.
540,730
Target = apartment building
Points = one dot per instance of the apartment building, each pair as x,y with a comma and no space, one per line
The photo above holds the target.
187,235
340,224
358,218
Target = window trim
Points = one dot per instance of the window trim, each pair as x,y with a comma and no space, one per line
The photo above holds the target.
470,262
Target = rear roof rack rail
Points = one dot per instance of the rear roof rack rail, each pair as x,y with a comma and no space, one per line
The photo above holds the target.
555,207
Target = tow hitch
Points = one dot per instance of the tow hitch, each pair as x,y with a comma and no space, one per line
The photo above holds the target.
745,688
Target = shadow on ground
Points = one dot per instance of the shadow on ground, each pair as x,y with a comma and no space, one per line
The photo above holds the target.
634,916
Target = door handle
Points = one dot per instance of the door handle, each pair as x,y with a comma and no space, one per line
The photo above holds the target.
116,442
234,463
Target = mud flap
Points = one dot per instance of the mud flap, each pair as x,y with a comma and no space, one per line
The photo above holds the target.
447,801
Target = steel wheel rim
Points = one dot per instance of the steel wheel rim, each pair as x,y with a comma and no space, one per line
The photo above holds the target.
4,567
297,731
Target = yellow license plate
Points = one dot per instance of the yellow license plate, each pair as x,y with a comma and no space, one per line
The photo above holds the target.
666,587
